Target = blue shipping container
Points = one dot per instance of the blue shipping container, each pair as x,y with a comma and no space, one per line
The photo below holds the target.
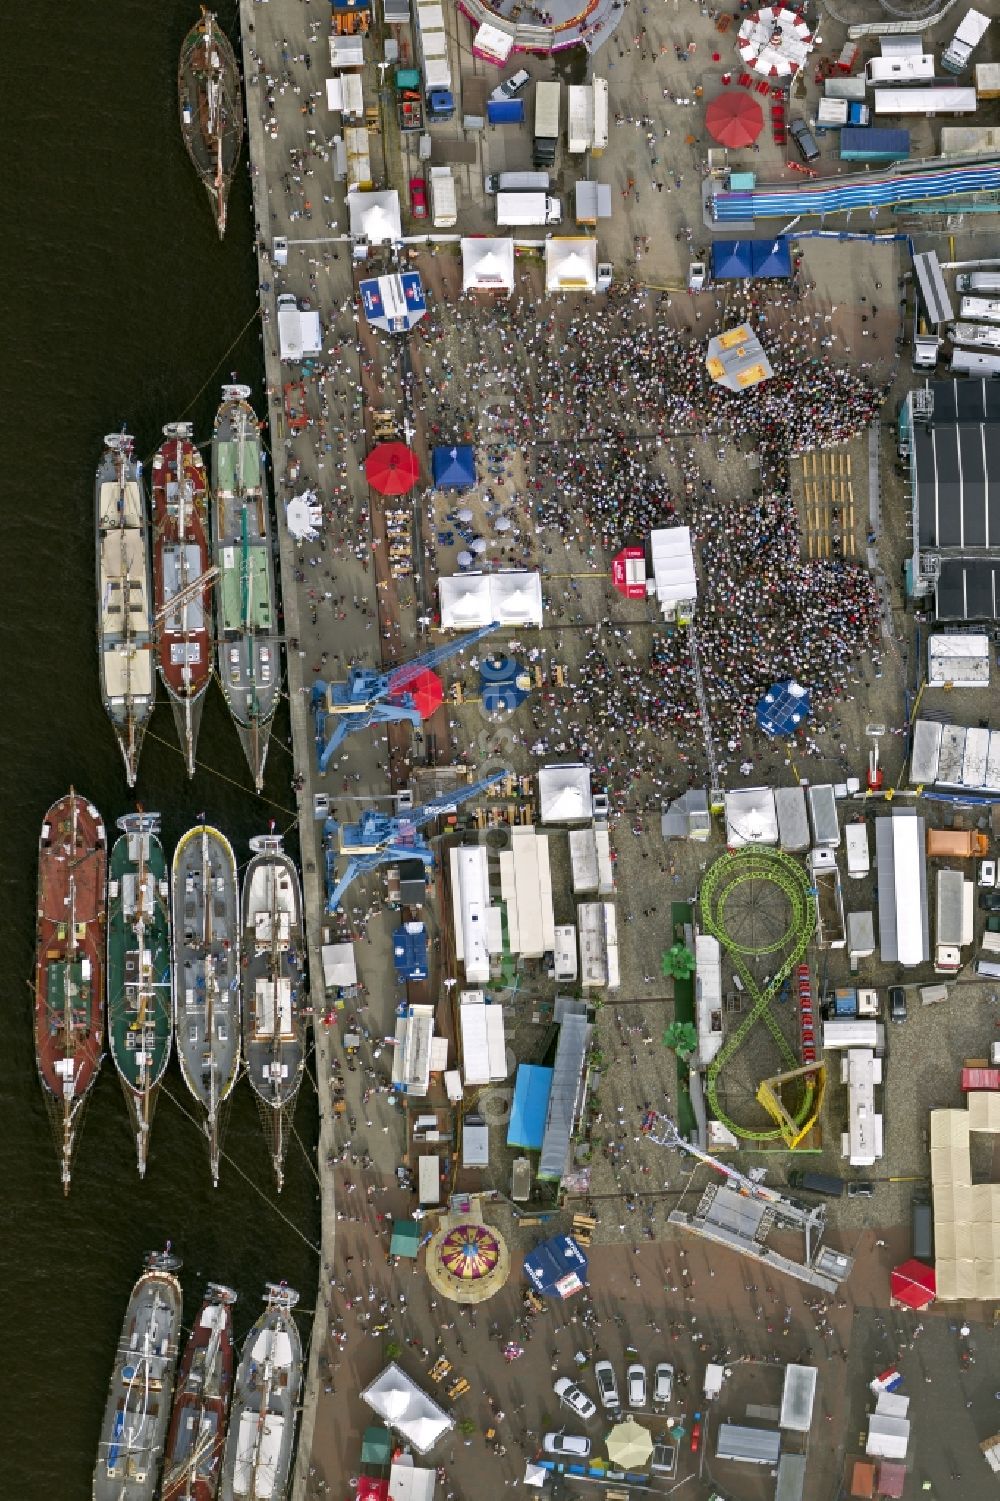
873,144
505,111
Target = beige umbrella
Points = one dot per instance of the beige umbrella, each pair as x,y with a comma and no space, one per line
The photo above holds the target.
629,1444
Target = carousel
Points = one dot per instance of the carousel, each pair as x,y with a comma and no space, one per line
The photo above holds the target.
775,42
467,1261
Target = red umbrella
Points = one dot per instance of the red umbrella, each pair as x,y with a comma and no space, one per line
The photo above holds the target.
392,468
734,119
419,686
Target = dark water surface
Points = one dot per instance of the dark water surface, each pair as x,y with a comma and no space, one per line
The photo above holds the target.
118,306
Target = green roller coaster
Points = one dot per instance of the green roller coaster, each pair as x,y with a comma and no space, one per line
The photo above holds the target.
759,903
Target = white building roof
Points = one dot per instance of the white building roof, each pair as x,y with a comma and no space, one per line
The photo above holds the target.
339,967
751,816
797,1397
344,95
375,217
861,1070
564,793
963,661
487,265
673,567
708,997
571,264
470,897
469,600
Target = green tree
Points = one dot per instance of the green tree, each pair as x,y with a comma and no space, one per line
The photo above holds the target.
678,962
682,1038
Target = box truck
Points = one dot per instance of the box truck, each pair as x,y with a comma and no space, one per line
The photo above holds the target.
963,843
978,281
955,57
858,853
548,97
527,208
517,182
444,209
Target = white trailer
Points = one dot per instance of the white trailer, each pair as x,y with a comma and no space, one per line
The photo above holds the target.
527,208
793,821
911,68
938,101
976,335
444,208
978,281
600,87
564,963
980,309
955,57
823,815
858,853
580,118
974,362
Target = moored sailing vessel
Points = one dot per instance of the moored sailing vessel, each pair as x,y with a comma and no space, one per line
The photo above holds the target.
211,109
207,973
138,1407
124,598
192,1464
182,580
69,963
140,1015
246,613
274,1007
261,1435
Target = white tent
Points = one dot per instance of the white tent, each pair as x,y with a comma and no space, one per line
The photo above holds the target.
404,1406
564,793
410,1482
673,567
488,265
344,95
347,52
469,600
299,331
571,264
304,516
375,217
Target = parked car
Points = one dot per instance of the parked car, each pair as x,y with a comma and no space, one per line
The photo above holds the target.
897,1002
861,1188
989,901
607,1386
663,1384
696,1433
573,1444
635,1380
513,85
804,140
571,1396
418,198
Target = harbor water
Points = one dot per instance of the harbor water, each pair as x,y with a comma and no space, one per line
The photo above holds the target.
120,306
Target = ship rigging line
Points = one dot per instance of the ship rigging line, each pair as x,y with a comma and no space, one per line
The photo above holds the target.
242,786
306,1153
245,1176
254,318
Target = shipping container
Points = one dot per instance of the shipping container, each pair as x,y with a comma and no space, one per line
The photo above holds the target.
505,111
962,843
823,815
868,144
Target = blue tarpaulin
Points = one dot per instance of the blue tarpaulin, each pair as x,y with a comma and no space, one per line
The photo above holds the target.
783,708
454,468
409,951
530,1108
557,1267
731,260
505,111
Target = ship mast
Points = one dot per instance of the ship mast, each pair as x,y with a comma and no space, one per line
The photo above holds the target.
69,1031
128,645
211,984
144,1073
275,966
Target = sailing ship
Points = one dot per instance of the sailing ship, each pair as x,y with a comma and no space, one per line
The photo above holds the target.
140,1020
124,623
274,1012
69,963
211,109
258,1454
193,1459
249,648
182,580
207,973
130,1451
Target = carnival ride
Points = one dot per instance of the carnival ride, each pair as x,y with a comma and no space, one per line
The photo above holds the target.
761,907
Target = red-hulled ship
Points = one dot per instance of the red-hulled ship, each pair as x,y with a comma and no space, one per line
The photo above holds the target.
69,963
182,580
193,1457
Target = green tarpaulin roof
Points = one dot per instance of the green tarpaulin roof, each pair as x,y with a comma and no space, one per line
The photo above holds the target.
405,1238
376,1446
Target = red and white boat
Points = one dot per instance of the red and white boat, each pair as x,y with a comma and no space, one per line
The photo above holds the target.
182,580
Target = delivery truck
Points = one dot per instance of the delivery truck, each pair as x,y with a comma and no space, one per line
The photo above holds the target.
444,209
548,97
956,56
831,114
963,844
858,853
527,208
983,282
517,182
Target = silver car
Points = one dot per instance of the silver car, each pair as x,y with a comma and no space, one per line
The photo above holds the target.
663,1384
635,1381
607,1386
571,1396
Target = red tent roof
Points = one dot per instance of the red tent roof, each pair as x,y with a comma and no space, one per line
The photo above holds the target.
734,119
913,1284
370,1489
891,1478
420,685
392,468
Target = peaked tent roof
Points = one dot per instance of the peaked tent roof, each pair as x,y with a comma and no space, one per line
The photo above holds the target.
913,1284
454,468
732,260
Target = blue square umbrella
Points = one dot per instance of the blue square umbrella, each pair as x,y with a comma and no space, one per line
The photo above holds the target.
454,468
783,708
556,1268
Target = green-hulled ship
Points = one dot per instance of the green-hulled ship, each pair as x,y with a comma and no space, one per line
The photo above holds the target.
246,615
140,1017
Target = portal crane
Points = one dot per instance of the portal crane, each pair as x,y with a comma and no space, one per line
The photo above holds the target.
379,838
664,1131
369,697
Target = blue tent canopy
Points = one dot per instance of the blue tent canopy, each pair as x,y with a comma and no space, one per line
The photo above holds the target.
530,1108
783,708
503,684
557,1267
454,468
771,257
732,260
409,951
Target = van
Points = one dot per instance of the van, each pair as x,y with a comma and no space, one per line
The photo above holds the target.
827,1184
988,968
921,1230
804,140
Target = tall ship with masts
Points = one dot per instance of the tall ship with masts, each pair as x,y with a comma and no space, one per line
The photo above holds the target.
69,964
140,1013
192,1464
130,1451
207,973
211,109
274,1000
261,1437
246,609
124,598
182,580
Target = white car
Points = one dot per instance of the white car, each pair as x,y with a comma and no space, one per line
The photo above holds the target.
635,1380
607,1386
663,1384
987,872
571,1396
573,1444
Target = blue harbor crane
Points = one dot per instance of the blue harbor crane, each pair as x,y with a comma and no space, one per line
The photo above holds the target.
369,697
380,838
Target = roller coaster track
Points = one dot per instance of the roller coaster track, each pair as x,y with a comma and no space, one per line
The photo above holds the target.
743,874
